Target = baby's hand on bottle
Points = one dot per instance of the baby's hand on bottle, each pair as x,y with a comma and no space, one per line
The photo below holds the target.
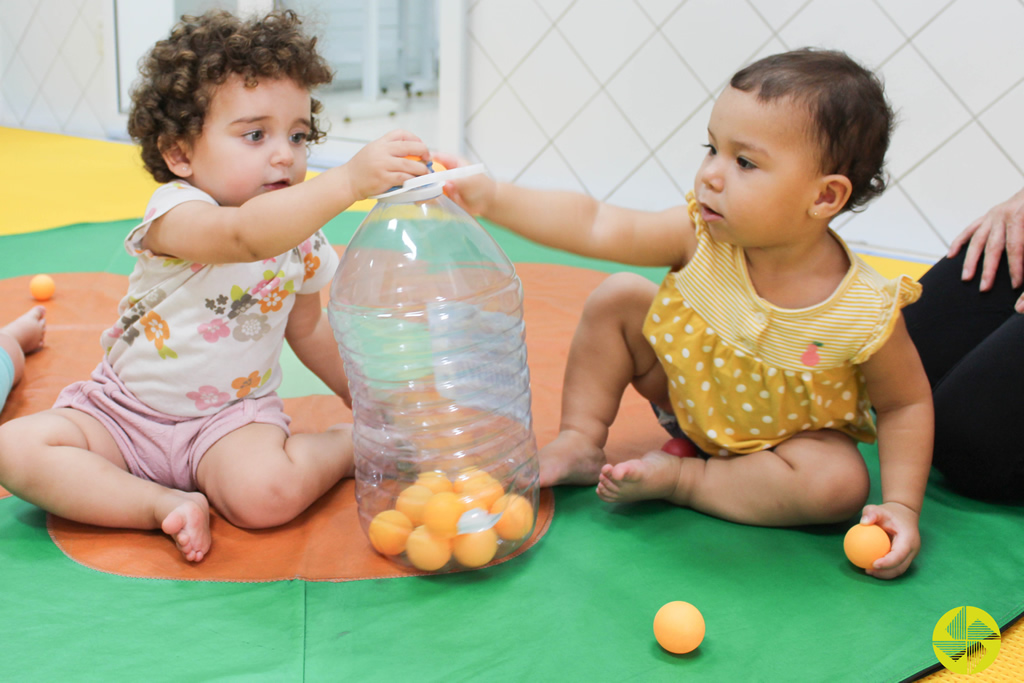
386,163
900,522
473,193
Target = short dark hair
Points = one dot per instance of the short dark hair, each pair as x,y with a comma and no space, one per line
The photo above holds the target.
851,118
179,75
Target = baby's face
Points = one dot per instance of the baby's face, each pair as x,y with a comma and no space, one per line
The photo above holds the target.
761,176
253,140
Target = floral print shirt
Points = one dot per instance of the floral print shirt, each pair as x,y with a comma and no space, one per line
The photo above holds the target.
192,338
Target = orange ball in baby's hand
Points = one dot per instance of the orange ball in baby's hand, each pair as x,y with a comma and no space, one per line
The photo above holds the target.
42,287
865,543
679,627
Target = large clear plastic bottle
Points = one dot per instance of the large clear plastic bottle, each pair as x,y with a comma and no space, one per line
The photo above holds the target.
427,312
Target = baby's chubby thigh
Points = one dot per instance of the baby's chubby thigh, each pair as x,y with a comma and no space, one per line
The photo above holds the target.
245,475
257,476
830,472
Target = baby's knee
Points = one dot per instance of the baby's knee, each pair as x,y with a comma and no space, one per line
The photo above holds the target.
621,290
842,493
8,443
16,441
268,503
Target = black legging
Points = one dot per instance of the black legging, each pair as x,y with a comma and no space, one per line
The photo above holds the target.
972,346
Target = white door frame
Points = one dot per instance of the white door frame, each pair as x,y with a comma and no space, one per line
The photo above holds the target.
141,22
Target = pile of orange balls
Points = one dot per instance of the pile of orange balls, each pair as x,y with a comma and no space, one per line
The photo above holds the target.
424,522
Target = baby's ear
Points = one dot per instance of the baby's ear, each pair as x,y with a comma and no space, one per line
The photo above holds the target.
832,197
177,158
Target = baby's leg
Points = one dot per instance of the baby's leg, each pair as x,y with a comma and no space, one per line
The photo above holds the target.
608,353
813,478
22,336
259,478
67,463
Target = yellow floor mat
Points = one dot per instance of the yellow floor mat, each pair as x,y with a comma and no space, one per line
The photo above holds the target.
60,180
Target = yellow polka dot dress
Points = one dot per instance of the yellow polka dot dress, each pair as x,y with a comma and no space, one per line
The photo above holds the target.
744,374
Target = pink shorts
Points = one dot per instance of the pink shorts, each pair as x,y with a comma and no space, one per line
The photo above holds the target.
162,448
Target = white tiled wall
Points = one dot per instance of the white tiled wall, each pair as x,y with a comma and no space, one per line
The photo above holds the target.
611,97
51,66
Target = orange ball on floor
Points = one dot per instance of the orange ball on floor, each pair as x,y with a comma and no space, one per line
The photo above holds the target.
679,627
42,287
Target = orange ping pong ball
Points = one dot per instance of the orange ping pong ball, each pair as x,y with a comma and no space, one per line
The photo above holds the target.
865,543
679,627
411,502
388,532
427,551
517,521
435,481
41,287
441,514
476,549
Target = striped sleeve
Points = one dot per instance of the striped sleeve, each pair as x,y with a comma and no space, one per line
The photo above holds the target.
896,294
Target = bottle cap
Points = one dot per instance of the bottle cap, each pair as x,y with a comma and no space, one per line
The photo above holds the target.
428,185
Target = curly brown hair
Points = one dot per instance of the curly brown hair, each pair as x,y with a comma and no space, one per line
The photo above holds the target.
851,118
180,74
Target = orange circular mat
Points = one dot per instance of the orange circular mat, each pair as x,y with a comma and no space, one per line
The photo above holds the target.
325,543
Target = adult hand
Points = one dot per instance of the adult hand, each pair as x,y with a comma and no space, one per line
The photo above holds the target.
1001,229
900,522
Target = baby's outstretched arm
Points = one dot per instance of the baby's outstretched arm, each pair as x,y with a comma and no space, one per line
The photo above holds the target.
577,223
271,223
901,395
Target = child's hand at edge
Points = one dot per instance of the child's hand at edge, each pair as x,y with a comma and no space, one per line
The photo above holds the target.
900,522
382,164
474,193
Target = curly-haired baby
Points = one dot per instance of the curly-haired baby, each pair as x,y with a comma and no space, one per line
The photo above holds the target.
182,410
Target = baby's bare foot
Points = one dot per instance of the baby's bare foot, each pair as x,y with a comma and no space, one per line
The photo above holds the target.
654,476
570,459
188,524
28,329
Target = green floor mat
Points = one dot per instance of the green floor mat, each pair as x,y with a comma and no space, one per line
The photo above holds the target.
780,604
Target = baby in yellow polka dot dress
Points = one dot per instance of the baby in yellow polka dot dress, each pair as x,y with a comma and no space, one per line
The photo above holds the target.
769,342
